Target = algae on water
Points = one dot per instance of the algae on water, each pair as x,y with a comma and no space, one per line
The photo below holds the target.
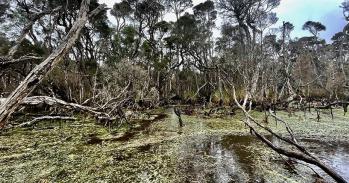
204,150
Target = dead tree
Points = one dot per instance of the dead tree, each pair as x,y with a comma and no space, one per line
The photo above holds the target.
101,114
45,118
303,154
178,113
345,108
41,70
37,100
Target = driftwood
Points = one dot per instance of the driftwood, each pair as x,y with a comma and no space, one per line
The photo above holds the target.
41,70
45,118
98,113
36,100
303,154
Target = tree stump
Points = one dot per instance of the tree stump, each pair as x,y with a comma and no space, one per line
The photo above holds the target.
178,113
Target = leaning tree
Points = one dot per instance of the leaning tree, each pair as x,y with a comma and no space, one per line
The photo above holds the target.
40,71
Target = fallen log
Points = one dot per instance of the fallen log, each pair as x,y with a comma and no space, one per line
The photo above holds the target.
36,100
43,118
98,113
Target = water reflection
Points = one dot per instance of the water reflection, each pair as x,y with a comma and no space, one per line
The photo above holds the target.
205,158
216,159
334,154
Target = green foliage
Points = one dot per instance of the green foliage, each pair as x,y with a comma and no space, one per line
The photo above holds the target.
205,11
178,6
149,10
5,44
121,10
4,6
129,34
28,47
163,26
314,27
226,98
147,50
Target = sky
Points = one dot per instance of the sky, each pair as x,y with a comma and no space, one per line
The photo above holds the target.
297,12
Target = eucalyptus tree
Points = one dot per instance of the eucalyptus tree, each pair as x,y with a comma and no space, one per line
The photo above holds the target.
314,28
340,50
20,19
229,42
43,25
247,15
309,60
205,14
265,20
123,45
183,36
122,12
178,7
345,7
147,14
286,61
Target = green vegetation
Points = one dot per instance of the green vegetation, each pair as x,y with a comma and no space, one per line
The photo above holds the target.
64,152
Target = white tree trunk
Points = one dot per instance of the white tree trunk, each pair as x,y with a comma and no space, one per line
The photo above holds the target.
41,70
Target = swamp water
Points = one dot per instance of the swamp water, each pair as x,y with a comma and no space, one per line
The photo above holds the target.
204,150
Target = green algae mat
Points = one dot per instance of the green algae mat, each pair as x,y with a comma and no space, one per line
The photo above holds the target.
157,150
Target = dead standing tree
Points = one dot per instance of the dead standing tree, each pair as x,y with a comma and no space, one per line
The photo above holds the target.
178,113
40,71
301,154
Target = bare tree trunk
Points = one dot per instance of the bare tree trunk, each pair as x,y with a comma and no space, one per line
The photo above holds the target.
255,79
221,101
178,113
41,70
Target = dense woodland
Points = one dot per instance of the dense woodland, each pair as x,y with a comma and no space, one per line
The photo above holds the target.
161,59
63,55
